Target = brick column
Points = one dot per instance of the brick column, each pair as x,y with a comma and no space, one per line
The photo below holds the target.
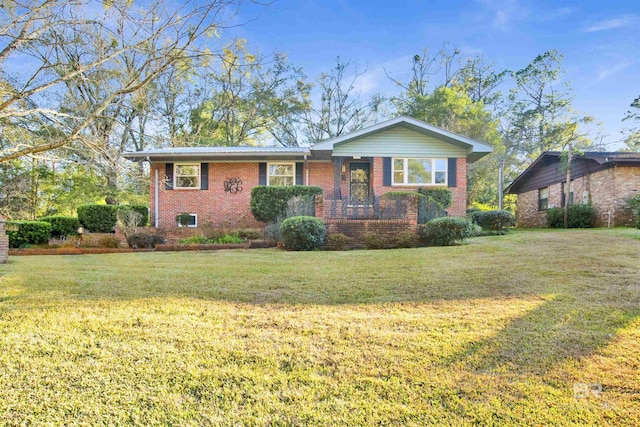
4,242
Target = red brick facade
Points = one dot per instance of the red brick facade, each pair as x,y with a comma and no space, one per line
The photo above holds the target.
606,190
218,208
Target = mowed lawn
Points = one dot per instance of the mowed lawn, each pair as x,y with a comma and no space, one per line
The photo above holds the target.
494,332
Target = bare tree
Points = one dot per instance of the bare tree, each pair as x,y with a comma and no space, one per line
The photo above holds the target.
341,108
96,53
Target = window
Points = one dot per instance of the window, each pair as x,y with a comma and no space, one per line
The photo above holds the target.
187,175
419,171
281,174
543,199
192,221
564,195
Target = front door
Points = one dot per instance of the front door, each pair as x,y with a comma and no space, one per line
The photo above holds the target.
359,184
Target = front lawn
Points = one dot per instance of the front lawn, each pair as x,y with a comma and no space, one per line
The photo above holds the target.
494,332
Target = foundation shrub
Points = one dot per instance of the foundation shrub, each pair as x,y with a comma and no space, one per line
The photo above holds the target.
405,239
144,240
374,241
338,242
303,233
444,231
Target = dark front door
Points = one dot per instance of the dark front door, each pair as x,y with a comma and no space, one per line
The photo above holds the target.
359,184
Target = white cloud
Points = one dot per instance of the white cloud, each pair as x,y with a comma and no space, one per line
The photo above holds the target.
604,73
505,12
612,24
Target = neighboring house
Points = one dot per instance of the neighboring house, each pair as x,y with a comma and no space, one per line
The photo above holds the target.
214,184
604,180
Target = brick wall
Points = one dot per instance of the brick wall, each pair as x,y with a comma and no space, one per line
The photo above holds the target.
356,228
217,208
213,207
4,242
459,203
606,190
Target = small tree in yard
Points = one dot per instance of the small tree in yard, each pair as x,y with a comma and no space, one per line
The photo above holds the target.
128,221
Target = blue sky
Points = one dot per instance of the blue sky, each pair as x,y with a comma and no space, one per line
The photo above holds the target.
600,41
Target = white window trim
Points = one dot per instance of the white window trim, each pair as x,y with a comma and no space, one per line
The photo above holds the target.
281,163
175,176
195,223
420,184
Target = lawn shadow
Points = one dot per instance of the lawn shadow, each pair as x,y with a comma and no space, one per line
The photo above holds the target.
565,327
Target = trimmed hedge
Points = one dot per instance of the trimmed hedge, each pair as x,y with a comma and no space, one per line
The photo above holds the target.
444,231
441,196
62,226
98,218
270,202
28,233
579,216
496,220
103,218
303,233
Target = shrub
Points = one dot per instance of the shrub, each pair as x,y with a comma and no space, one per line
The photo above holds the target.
62,226
303,233
555,217
444,231
144,240
202,240
405,239
338,242
108,242
270,202
374,241
250,234
582,216
441,196
98,218
140,209
23,233
579,216
634,206
473,214
496,221
183,218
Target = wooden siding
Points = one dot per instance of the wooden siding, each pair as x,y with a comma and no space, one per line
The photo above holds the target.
398,142
551,171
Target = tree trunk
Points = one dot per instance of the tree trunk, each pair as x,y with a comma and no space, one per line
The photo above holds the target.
567,187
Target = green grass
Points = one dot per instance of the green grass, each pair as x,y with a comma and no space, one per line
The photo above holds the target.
494,332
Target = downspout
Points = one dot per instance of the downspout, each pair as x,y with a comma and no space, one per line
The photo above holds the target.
155,201
306,171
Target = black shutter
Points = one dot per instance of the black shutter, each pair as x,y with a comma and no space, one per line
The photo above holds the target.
451,178
386,171
262,174
168,173
299,173
204,176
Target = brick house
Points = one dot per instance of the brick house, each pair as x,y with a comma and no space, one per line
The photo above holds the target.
213,184
606,180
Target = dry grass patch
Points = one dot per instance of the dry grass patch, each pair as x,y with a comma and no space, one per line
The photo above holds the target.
495,332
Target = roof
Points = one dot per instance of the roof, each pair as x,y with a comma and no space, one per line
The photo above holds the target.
229,153
602,158
475,149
